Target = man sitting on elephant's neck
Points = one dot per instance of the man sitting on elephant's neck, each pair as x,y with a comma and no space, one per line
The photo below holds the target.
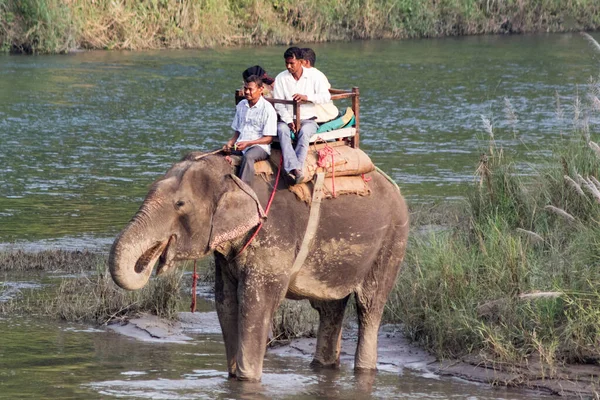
255,125
299,84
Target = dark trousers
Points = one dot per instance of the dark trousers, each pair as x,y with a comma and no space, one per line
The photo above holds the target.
253,154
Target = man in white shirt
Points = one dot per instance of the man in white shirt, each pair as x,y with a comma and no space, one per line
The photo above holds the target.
297,83
255,125
326,111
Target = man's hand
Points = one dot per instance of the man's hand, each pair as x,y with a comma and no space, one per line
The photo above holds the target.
242,145
227,147
292,126
300,97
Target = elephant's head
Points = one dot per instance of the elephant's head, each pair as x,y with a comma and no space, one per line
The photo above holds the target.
195,208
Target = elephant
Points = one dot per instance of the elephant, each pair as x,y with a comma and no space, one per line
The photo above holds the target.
199,207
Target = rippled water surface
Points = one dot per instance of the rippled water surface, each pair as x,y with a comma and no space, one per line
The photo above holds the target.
83,136
41,360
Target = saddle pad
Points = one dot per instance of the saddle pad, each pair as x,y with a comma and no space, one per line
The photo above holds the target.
346,160
263,167
343,185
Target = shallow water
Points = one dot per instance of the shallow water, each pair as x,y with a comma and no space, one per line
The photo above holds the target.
48,360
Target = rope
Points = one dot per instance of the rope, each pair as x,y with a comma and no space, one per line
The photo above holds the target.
266,209
388,178
322,162
195,275
194,283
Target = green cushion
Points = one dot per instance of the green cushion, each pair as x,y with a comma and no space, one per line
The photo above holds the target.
337,123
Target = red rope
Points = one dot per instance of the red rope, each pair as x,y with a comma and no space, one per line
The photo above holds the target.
321,162
194,283
266,209
195,275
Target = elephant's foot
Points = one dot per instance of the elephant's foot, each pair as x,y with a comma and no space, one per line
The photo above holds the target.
324,365
231,375
246,378
365,378
358,369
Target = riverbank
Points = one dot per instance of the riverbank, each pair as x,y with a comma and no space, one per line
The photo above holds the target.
60,26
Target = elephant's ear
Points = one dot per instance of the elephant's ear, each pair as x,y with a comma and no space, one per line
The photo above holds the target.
237,212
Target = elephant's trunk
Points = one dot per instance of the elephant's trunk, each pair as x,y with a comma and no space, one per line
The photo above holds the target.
134,253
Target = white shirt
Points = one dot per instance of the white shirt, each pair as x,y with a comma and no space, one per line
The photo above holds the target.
315,89
255,122
326,111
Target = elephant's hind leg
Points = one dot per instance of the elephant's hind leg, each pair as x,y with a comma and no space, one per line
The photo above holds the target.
369,307
329,336
371,297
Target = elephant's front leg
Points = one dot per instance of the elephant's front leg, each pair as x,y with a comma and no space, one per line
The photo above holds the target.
226,303
259,297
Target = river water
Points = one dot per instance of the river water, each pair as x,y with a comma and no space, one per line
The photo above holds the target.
83,136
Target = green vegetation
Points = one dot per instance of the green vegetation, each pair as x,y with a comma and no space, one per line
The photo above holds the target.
515,278
91,296
56,26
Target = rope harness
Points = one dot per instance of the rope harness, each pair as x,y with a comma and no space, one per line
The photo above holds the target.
322,162
195,275
194,283
266,209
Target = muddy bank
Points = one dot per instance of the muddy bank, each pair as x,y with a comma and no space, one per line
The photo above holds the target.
395,354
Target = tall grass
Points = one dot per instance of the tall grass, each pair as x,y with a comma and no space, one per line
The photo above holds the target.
63,25
518,278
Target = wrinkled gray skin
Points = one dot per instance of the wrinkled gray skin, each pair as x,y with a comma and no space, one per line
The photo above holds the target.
197,209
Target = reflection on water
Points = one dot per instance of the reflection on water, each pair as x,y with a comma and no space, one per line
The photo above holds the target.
83,136
47,360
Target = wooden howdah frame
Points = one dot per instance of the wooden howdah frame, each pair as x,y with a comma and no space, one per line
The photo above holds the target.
350,135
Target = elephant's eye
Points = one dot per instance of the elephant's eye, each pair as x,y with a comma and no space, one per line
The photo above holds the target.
179,204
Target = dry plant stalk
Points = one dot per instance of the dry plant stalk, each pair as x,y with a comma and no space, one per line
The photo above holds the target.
483,170
574,185
591,40
559,111
535,238
595,103
591,187
596,182
561,212
594,146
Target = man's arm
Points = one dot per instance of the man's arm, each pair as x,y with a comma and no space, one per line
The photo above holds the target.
244,145
236,125
321,87
231,142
